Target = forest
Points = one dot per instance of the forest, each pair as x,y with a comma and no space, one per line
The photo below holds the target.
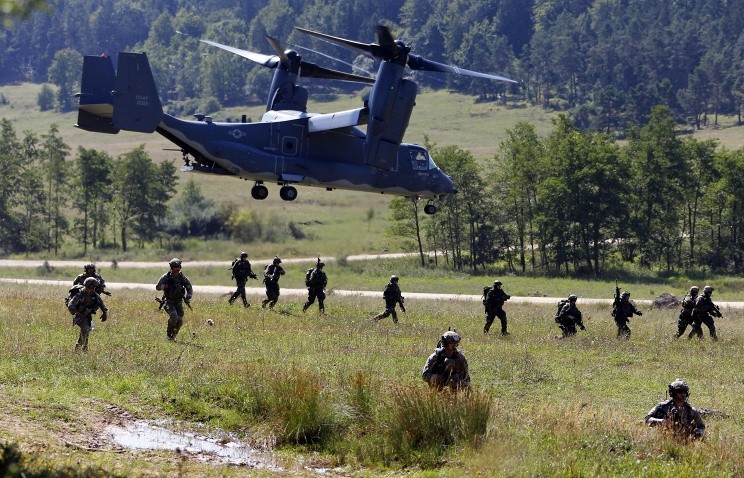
606,62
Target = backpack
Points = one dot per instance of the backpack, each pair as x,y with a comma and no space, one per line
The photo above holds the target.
486,290
73,292
308,275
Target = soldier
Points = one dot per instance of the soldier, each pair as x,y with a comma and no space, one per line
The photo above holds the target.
393,297
703,313
676,414
176,289
241,271
685,315
82,306
622,310
316,281
272,273
447,367
494,305
569,316
89,270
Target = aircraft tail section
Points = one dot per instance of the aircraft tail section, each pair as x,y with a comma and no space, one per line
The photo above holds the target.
111,101
136,102
96,103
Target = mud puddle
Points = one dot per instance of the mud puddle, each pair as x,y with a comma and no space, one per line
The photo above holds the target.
223,449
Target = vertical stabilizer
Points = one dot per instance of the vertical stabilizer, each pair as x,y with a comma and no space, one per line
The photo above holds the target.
96,103
136,102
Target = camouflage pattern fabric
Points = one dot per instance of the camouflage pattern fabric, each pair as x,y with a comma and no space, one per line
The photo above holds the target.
495,299
82,307
176,289
685,315
316,290
442,372
81,278
703,313
272,273
686,421
241,271
393,297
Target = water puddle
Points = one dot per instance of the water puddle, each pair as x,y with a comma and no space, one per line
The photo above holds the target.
224,449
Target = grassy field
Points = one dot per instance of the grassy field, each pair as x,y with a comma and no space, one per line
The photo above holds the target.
343,393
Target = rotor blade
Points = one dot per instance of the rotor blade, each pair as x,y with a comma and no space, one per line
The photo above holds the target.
311,70
416,62
264,60
371,50
387,43
279,50
333,58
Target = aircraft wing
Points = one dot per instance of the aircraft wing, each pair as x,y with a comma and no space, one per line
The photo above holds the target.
340,119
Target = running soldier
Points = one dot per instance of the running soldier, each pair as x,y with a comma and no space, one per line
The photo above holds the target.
703,313
272,273
316,281
622,310
676,415
494,305
82,306
89,270
569,316
393,297
176,289
447,366
241,271
685,315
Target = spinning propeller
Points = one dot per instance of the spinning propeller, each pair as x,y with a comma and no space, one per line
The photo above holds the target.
291,61
389,49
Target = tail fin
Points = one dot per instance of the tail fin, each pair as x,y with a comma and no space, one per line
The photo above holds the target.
136,102
96,103
128,99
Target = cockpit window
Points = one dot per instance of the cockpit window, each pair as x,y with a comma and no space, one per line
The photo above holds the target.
420,160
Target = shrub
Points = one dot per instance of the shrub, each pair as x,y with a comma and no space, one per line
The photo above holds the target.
45,100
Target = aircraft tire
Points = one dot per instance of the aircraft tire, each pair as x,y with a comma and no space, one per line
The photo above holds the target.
288,193
259,192
430,209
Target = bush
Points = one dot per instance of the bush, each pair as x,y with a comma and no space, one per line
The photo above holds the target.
45,100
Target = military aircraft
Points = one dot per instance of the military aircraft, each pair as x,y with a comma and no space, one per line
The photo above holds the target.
289,146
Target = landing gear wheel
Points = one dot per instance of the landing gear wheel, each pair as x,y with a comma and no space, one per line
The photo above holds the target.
260,192
430,209
288,193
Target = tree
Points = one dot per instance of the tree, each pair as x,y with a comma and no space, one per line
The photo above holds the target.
65,74
45,100
405,223
91,182
54,152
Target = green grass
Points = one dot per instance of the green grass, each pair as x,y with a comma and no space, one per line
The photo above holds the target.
330,391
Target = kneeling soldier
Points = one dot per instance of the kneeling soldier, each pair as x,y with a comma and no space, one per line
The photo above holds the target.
447,367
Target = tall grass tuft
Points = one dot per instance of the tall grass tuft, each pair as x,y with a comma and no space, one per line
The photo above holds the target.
425,422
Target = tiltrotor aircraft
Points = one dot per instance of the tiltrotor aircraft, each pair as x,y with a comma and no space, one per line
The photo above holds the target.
288,146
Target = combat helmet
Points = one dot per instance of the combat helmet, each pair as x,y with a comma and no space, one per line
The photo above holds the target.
243,255
572,298
276,260
679,385
625,294
497,283
449,337
707,289
694,289
175,262
393,278
90,282
89,266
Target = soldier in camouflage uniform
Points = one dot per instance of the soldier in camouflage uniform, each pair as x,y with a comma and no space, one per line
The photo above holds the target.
622,310
685,315
494,305
703,313
569,316
393,297
676,415
272,273
82,306
241,271
89,270
176,289
316,285
447,366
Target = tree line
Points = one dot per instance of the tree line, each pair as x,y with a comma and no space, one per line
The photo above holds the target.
579,202
606,62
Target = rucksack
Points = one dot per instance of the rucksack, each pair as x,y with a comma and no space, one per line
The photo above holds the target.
486,290
308,275
73,292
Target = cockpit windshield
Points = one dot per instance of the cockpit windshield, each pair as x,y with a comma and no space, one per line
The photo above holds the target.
420,160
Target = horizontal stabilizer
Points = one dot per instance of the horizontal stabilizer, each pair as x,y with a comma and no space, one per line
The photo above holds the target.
342,119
